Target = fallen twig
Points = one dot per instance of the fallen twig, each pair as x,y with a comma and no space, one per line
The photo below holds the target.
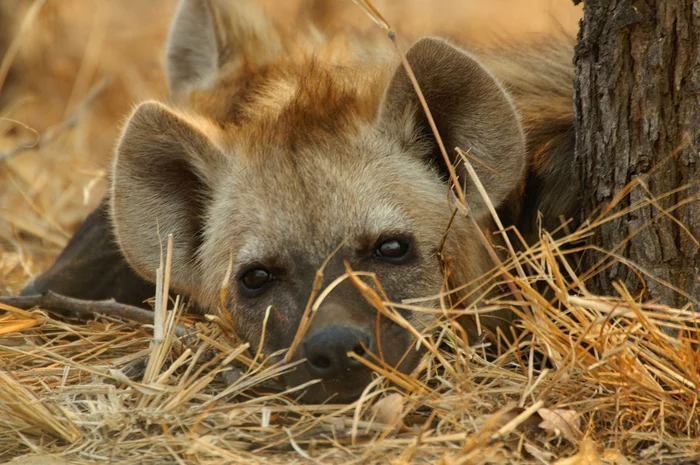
88,309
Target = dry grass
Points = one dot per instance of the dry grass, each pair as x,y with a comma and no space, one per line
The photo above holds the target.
588,380
596,379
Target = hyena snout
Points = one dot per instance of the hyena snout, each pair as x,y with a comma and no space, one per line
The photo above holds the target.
327,351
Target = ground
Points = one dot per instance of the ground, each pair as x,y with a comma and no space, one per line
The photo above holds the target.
591,381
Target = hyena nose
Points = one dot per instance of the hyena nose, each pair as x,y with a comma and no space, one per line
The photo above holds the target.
327,348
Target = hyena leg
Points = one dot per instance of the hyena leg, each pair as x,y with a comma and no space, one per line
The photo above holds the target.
92,267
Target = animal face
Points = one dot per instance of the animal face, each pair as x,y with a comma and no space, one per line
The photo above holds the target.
362,202
279,161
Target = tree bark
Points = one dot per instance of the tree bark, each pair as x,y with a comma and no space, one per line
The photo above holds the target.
637,120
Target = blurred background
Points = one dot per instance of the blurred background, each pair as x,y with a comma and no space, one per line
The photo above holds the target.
70,70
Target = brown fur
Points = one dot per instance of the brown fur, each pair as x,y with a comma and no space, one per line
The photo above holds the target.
280,149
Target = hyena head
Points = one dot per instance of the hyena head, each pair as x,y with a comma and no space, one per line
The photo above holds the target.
283,157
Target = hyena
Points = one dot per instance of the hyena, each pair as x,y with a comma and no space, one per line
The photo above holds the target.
282,153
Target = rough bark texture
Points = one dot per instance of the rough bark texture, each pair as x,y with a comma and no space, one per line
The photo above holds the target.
637,95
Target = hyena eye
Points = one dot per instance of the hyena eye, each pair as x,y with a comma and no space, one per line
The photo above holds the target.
393,249
255,279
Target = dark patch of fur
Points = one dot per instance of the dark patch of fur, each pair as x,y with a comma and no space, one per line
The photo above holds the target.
92,267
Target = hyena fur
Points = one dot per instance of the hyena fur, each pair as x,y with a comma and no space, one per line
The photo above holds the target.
280,152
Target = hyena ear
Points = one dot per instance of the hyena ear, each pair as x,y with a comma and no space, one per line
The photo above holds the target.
206,34
471,111
164,171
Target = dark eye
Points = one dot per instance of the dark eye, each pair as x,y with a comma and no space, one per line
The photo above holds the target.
393,249
254,279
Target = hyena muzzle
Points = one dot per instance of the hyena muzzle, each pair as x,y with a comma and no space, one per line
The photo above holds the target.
279,155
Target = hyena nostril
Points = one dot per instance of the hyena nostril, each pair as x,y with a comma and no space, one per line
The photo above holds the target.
359,350
321,362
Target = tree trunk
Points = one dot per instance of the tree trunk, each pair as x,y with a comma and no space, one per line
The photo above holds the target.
637,99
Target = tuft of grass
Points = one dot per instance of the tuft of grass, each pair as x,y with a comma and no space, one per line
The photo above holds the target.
589,379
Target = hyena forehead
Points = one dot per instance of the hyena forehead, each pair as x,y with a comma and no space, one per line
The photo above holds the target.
312,200
317,240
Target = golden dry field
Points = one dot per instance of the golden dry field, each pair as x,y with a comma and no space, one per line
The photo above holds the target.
591,380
